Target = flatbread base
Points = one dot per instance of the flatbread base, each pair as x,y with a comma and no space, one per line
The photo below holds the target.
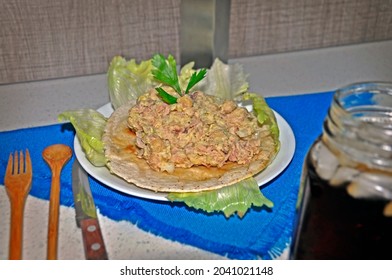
121,152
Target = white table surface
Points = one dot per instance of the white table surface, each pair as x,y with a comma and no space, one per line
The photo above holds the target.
38,103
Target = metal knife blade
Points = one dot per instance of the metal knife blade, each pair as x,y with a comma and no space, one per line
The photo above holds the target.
86,215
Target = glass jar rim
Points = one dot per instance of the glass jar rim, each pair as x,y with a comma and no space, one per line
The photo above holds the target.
360,87
359,123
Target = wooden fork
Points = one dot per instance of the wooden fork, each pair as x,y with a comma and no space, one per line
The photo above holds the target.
17,181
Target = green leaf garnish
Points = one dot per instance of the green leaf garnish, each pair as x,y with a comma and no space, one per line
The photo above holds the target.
195,78
169,99
264,115
89,125
237,198
165,71
127,80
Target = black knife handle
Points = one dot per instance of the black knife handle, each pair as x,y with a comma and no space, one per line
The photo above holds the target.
94,247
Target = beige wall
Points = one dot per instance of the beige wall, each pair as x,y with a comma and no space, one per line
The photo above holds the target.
41,39
271,26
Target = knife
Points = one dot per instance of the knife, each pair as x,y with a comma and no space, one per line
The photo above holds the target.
86,215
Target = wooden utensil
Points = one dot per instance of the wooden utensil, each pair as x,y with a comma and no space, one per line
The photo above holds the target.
17,181
56,156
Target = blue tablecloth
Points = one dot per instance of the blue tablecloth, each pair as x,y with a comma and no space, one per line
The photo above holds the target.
262,233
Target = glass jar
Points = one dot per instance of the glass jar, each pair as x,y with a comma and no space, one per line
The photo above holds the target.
345,199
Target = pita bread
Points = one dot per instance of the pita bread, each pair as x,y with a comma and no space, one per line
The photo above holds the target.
120,150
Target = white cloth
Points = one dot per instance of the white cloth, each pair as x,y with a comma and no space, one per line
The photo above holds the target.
123,240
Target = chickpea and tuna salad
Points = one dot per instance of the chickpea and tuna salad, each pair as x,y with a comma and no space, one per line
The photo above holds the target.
197,130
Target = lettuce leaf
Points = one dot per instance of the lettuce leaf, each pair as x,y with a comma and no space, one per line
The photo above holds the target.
127,80
89,125
224,81
264,115
236,198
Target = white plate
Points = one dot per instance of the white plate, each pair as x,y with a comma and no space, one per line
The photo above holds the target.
103,175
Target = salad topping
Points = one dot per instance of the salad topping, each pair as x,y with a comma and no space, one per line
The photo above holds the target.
199,129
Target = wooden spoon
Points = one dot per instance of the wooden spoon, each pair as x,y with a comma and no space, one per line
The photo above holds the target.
56,156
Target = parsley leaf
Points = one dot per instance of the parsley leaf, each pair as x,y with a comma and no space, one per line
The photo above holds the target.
195,78
166,71
169,99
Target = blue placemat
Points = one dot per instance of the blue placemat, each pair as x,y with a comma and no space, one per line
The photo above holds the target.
262,233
